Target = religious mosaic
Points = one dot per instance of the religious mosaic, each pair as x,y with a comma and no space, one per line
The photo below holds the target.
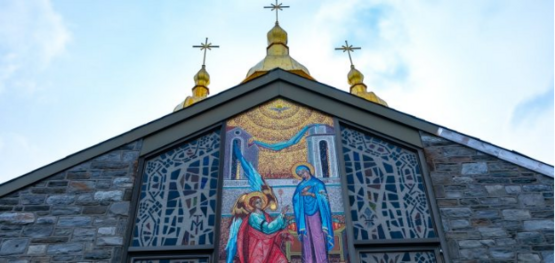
386,192
177,202
282,197
395,257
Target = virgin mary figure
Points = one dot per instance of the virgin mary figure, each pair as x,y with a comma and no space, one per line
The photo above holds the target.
312,215
260,237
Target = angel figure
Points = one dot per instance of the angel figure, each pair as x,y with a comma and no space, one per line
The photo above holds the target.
254,235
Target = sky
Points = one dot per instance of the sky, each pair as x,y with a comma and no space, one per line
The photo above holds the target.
76,73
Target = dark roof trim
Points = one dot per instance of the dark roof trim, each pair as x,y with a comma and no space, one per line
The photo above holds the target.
282,89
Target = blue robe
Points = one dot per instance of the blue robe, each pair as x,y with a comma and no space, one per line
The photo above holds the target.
308,205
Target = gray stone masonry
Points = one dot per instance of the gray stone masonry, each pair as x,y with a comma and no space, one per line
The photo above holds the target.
78,215
491,210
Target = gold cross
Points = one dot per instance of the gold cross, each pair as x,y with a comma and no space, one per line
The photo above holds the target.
205,46
277,7
349,49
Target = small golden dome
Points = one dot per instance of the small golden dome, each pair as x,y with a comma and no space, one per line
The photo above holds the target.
358,88
202,78
277,56
200,90
354,76
277,35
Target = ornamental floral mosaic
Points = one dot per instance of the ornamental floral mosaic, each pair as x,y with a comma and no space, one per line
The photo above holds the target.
394,257
386,192
177,202
282,198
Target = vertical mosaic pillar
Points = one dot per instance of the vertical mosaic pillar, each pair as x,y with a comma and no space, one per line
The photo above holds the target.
177,203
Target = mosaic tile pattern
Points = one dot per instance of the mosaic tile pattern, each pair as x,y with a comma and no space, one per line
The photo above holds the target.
394,257
275,121
188,260
386,192
178,195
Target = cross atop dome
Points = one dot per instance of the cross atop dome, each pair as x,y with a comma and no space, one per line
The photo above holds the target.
348,48
202,80
205,46
277,7
277,52
356,79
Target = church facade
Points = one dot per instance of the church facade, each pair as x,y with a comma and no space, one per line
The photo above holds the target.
282,168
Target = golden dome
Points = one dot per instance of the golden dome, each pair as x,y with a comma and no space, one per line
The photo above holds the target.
202,78
358,88
277,35
200,90
354,76
277,56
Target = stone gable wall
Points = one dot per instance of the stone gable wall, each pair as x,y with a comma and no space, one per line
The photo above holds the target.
78,215
491,210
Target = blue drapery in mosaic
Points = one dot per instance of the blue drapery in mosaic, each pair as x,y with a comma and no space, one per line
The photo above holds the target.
395,257
177,204
386,192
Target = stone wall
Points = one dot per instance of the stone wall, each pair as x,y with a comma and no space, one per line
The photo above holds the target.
78,215
491,210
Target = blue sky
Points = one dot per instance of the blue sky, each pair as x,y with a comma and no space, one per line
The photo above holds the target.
75,73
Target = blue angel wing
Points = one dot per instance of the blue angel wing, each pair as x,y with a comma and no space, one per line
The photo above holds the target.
255,179
231,246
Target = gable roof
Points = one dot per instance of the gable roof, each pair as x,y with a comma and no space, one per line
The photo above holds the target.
277,83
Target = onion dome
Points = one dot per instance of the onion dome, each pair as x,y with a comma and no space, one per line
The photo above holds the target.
202,80
200,90
358,88
277,56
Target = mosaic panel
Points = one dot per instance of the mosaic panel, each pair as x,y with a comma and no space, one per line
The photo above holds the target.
177,203
395,257
386,192
282,198
186,260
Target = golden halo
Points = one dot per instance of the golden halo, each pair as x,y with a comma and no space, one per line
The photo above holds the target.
294,169
255,194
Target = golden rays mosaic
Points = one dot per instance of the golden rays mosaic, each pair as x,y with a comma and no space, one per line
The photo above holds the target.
274,122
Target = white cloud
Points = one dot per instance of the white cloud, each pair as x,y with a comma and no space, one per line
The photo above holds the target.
32,34
465,65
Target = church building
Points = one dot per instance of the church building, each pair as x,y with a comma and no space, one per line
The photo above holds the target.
282,168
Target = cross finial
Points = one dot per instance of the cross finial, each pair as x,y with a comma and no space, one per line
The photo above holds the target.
205,46
277,7
349,49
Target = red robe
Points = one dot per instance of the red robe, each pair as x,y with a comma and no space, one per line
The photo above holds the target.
254,246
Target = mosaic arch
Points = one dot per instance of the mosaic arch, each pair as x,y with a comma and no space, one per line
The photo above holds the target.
281,185
177,203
